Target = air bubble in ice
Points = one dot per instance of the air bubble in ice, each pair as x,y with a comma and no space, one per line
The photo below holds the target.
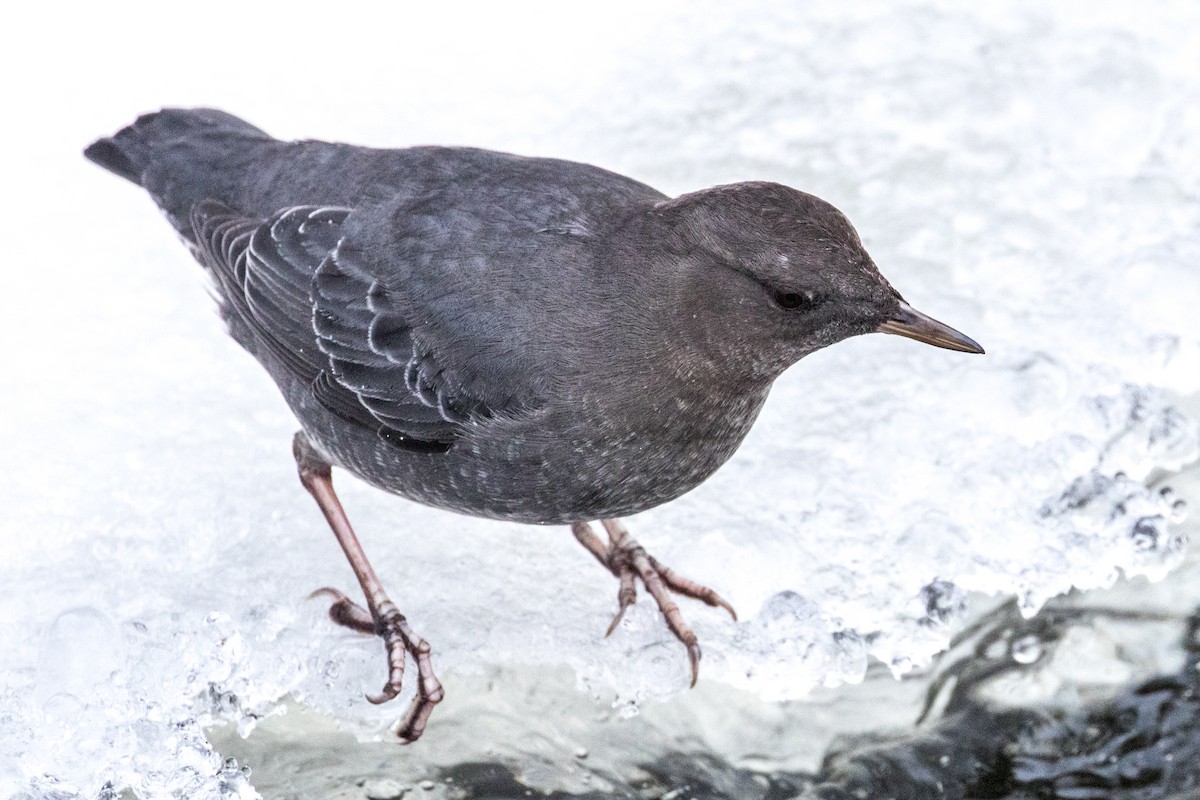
1146,533
80,653
1026,649
942,600
384,789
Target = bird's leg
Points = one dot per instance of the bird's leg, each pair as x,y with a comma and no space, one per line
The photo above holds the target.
380,617
627,559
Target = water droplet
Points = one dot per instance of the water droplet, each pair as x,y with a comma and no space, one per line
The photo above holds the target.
1145,534
581,753
63,707
1026,649
427,785
384,789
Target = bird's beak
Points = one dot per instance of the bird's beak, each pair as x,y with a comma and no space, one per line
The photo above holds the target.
907,321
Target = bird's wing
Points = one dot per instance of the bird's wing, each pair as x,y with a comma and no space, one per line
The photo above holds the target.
474,285
286,291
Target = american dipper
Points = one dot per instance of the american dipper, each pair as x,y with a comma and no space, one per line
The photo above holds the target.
516,338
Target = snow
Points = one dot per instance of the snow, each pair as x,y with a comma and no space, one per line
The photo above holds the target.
1024,172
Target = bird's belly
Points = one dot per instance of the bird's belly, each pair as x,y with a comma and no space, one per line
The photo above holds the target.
548,470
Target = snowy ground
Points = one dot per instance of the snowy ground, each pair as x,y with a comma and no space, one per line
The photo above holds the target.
1025,173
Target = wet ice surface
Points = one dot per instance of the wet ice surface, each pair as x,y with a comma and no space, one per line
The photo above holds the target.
1025,174
1095,697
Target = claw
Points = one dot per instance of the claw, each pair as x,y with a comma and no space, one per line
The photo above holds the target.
623,568
429,694
616,620
389,692
410,728
681,585
346,612
627,559
380,617
693,649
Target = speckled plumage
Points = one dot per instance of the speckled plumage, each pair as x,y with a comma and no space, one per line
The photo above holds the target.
517,338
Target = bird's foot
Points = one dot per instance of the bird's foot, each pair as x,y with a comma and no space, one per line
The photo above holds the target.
398,639
627,560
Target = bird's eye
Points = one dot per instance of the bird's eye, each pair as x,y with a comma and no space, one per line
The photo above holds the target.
791,300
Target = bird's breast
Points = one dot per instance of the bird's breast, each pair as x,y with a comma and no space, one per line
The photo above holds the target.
595,458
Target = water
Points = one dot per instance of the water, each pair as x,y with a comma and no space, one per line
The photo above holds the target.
1024,173
1096,696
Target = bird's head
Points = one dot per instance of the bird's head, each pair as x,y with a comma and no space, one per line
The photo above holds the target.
784,272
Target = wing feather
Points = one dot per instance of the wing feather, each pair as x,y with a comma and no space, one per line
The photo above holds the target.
285,292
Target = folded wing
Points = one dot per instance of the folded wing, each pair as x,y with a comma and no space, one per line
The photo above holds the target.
289,296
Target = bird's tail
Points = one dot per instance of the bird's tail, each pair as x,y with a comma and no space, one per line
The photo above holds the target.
130,151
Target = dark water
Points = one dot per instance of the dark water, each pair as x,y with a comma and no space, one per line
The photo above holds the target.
967,738
1142,743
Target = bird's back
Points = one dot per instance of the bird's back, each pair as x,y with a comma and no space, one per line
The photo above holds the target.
483,256
185,156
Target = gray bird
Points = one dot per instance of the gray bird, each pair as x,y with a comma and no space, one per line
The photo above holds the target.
522,339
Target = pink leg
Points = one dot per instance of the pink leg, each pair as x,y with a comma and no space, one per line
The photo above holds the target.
625,558
380,617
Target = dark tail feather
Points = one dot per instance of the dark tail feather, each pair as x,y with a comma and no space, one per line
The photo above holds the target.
129,152
109,155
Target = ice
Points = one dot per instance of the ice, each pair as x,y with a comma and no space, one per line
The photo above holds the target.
1025,172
